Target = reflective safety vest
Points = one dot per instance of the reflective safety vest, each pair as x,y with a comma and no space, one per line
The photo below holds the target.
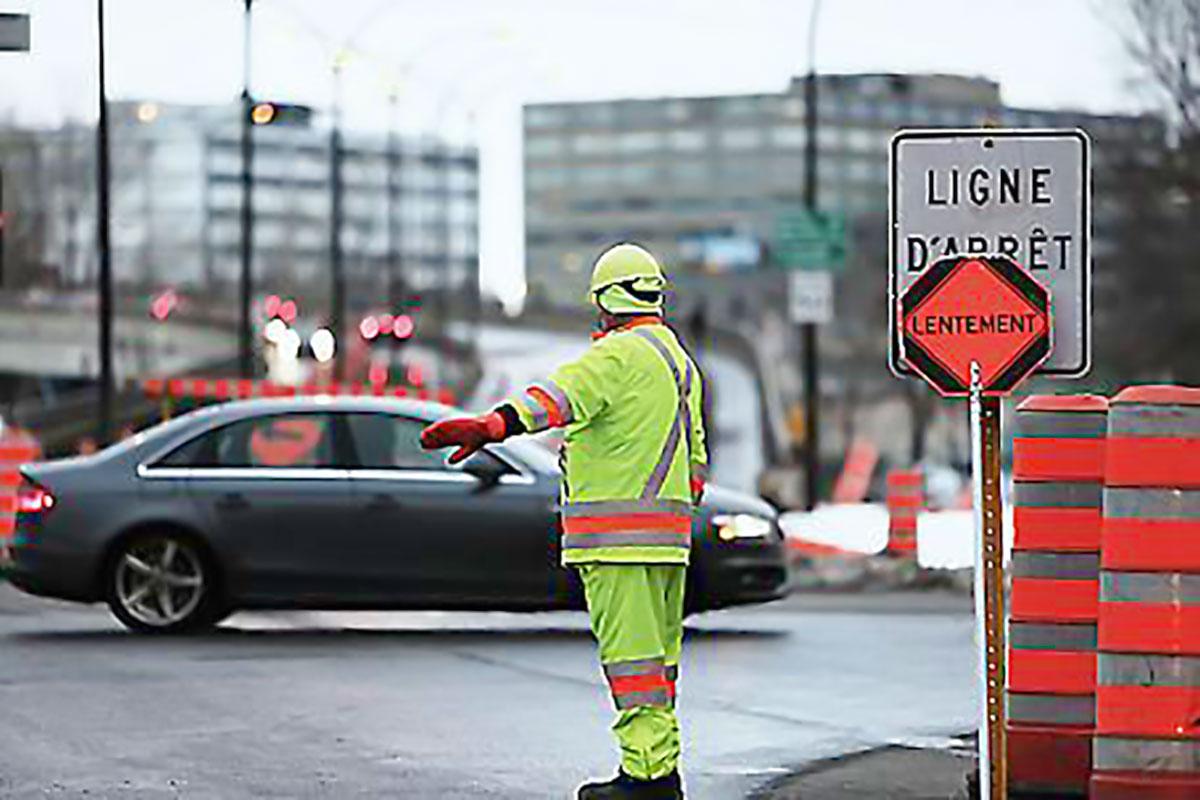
631,407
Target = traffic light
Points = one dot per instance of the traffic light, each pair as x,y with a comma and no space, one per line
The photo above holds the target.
268,112
400,326
162,304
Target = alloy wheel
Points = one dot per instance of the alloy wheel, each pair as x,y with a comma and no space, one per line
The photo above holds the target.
159,581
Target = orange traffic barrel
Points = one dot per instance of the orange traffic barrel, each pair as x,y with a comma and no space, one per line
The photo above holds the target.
1147,742
16,448
905,499
1058,464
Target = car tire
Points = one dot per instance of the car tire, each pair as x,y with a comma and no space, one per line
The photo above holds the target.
163,583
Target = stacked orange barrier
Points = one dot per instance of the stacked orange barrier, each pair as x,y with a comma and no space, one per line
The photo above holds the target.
16,448
236,389
1058,469
905,499
1147,742
854,480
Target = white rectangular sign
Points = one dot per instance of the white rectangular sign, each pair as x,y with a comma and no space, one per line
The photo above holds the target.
1021,193
810,297
14,32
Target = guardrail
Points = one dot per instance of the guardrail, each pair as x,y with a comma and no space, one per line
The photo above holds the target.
220,389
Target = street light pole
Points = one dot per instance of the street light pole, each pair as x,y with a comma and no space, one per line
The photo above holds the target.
394,281
3,220
338,288
245,350
808,330
103,245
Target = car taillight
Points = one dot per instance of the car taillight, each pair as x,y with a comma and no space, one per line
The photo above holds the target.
33,498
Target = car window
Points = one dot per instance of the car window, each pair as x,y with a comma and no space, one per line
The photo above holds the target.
275,441
193,453
385,441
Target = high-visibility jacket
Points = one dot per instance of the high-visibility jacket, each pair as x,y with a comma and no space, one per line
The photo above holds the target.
631,406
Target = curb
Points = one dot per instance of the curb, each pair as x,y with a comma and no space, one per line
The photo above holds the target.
894,771
868,571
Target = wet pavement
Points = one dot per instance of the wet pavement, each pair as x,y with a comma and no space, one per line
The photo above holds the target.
450,705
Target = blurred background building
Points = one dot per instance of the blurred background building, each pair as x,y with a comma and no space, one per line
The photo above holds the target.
177,203
715,184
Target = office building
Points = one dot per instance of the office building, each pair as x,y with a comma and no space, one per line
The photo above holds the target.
707,182
410,205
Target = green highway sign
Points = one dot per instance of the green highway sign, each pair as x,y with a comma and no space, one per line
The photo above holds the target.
810,240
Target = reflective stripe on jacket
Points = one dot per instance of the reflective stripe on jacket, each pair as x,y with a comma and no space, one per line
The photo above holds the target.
631,406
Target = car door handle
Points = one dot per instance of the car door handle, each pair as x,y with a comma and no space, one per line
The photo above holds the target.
382,502
233,501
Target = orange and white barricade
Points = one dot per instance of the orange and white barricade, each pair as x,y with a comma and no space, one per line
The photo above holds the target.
905,499
16,448
1147,742
1058,469
854,480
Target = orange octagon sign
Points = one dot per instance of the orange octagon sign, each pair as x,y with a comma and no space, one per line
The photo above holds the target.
983,309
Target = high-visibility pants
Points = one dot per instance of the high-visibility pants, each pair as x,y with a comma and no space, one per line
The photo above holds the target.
636,612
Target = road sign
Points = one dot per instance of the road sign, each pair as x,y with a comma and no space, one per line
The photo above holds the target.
14,33
810,240
810,297
1025,194
981,310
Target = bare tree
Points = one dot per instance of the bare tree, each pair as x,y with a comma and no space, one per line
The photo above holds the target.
1163,37
1165,41
1146,284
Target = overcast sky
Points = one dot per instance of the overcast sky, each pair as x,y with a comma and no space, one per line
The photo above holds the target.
458,58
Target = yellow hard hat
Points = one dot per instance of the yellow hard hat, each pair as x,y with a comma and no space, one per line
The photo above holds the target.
627,280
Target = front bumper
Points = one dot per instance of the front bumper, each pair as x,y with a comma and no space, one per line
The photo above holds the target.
739,572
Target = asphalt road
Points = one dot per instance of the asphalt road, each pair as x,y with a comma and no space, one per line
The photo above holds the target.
416,705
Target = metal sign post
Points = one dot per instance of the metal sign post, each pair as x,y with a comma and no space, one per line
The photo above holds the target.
989,588
810,303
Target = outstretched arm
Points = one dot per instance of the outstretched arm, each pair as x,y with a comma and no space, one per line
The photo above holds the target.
574,394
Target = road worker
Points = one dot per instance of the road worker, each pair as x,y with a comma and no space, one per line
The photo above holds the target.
634,464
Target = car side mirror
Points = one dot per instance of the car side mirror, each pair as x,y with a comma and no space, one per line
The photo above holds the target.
486,469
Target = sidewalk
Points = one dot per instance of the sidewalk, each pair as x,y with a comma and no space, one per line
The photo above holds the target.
895,773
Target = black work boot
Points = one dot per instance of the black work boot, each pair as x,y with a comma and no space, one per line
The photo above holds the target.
668,787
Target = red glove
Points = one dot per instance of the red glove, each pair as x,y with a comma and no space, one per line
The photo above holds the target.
468,433
697,487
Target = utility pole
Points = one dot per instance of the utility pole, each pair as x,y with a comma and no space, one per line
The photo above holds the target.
103,246
808,330
14,38
245,348
394,281
3,222
447,293
337,297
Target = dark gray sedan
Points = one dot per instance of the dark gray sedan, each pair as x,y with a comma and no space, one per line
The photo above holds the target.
330,503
